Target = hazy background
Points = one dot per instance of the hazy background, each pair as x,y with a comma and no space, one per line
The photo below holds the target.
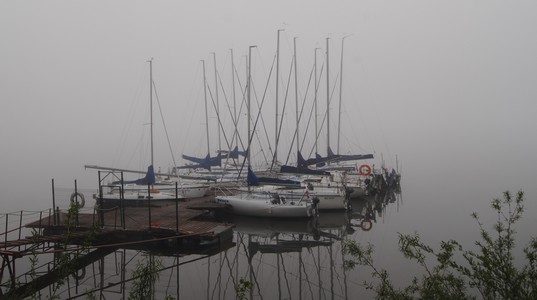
448,86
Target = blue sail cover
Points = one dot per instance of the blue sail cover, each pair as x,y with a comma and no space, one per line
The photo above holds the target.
233,153
301,168
148,179
320,161
205,163
253,180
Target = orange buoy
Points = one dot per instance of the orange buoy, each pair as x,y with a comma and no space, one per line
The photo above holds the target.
364,170
366,225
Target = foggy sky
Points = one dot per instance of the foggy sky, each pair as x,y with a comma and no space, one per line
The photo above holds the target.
448,86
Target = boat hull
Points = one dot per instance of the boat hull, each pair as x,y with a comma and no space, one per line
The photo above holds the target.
327,200
263,207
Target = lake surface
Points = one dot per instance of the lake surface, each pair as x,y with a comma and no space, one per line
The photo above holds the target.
298,259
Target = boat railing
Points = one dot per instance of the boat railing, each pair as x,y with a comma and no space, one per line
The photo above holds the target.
222,190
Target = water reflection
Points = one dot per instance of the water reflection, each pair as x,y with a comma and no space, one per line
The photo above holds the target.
289,259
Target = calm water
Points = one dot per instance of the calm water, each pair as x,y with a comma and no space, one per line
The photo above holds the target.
304,259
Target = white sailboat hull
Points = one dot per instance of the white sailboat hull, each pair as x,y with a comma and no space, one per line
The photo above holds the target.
329,199
261,206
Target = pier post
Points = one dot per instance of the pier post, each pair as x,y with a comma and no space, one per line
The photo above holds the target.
100,202
57,212
5,232
176,209
53,204
76,204
20,229
149,204
40,220
121,203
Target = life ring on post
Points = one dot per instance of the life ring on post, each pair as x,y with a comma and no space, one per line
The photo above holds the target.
80,276
366,225
364,170
75,198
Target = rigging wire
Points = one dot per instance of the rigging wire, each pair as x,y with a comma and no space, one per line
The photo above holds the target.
257,118
235,132
311,111
218,117
129,121
299,117
262,119
259,115
353,130
324,117
192,113
283,110
164,125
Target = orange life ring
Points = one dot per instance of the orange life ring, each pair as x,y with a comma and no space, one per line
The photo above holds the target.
364,170
368,225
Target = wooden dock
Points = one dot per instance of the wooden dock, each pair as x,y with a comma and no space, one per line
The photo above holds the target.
157,221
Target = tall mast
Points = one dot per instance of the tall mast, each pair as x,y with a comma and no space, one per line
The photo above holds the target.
248,82
327,98
340,93
277,94
315,99
243,95
234,98
151,106
217,102
296,96
206,113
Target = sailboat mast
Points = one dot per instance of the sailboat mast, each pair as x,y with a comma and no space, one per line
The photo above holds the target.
234,98
277,94
151,106
327,97
205,99
217,102
340,92
296,96
315,99
248,82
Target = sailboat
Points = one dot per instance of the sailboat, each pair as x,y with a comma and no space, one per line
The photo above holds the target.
171,188
328,197
264,204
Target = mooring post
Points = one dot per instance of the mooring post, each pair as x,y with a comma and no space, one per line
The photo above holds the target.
121,203
57,211
40,221
149,203
93,218
100,187
176,208
5,232
53,204
77,206
20,228
100,202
